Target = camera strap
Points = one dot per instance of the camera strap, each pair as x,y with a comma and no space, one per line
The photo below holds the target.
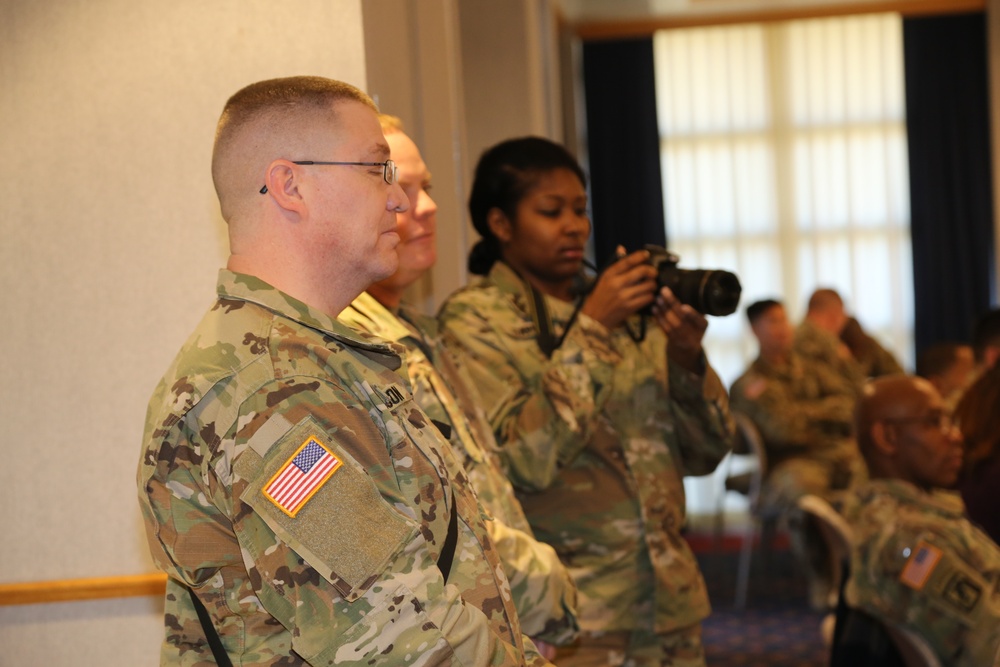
547,340
214,641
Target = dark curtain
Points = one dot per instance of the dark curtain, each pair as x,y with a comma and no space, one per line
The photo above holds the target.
624,145
951,201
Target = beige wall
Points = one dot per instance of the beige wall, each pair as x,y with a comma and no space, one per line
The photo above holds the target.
112,236
111,242
415,72
463,75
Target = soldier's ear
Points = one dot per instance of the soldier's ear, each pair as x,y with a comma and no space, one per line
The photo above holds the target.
500,225
884,438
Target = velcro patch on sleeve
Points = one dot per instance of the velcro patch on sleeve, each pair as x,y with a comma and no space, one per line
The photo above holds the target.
963,592
919,567
320,501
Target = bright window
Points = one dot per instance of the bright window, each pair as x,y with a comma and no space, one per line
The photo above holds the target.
783,150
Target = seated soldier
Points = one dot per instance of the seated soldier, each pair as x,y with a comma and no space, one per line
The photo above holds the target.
950,367
829,336
986,339
804,414
817,338
917,561
873,359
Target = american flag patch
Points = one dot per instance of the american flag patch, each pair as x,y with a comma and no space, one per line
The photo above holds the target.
918,569
301,476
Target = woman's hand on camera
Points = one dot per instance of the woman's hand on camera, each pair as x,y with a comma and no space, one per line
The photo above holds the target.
622,289
685,328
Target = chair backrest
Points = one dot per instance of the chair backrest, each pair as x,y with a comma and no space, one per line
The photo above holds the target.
754,442
836,532
861,640
913,648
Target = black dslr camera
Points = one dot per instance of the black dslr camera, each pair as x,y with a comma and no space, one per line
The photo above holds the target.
709,291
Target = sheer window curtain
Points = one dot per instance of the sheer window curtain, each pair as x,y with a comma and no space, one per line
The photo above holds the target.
784,159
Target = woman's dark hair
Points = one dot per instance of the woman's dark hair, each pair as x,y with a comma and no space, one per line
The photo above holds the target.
978,417
504,175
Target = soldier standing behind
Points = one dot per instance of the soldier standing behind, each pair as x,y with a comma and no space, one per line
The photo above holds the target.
917,561
596,428
544,594
288,482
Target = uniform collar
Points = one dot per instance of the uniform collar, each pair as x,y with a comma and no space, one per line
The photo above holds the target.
367,313
946,503
243,287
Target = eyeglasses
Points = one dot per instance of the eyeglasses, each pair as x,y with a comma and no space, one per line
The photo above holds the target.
941,420
390,172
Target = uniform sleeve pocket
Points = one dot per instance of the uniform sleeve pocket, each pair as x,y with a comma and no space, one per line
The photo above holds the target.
319,501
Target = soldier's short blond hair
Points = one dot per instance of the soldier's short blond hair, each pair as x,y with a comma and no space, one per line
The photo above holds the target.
390,124
264,119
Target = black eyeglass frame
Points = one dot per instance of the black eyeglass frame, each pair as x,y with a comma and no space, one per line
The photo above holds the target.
390,172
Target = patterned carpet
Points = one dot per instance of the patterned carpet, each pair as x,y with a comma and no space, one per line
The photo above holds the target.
777,628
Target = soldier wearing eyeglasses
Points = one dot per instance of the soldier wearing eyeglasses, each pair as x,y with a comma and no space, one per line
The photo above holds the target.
298,499
917,561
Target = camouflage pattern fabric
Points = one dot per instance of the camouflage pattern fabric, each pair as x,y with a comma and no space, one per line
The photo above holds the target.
680,648
596,441
805,414
872,359
917,561
824,352
288,477
544,594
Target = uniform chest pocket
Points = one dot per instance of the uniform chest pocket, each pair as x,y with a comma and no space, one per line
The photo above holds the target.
317,499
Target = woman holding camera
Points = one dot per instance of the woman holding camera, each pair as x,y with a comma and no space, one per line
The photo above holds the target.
597,424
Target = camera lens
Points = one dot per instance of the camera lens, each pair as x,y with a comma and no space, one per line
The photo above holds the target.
711,292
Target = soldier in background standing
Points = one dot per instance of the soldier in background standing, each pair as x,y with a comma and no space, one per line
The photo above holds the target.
543,592
597,427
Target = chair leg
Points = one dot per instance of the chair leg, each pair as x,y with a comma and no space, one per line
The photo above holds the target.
743,574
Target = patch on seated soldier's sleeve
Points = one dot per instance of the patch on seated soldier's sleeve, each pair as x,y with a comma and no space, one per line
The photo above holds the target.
342,527
918,569
963,592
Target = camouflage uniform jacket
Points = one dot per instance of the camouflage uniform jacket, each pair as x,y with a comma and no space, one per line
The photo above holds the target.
919,562
288,477
801,410
820,349
544,593
872,359
596,440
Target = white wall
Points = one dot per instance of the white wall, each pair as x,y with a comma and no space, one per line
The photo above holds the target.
415,71
111,240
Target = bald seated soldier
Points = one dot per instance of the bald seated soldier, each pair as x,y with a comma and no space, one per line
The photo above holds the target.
544,593
917,561
289,484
